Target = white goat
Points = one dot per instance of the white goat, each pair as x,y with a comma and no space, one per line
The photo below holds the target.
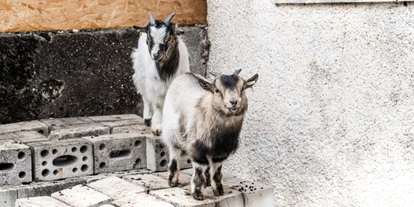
160,57
204,120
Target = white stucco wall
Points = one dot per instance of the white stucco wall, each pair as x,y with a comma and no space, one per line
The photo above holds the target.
331,118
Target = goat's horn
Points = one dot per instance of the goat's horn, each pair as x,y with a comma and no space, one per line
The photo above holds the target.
169,18
152,20
215,74
237,72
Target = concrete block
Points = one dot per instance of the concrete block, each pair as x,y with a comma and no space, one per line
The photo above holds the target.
116,188
46,188
28,136
8,197
5,137
141,199
184,179
38,126
62,159
117,152
82,196
15,163
119,120
43,201
254,193
149,181
180,197
157,154
230,198
68,128
138,129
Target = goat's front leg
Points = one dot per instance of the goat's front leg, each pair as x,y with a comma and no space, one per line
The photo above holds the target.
198,180
216,184
147,111
174,166
156,119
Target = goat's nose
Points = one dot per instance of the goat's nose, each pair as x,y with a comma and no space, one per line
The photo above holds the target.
234,102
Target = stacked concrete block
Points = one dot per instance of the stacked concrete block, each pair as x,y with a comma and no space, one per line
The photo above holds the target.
28,136
138,129
119,120
82,196
116,188
38,126
157,154
15,162
62,159
68,128
254,193
39,202
118,152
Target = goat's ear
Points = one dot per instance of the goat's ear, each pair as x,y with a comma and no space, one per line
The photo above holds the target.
205,85
237,72
251,81
152,19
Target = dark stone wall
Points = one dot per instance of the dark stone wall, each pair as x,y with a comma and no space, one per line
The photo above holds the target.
67,74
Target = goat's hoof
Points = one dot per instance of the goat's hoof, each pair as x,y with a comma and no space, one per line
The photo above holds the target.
173,183
219,191
147,122
198,195
156,132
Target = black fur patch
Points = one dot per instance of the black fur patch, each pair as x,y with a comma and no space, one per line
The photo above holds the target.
147,122
173,170
173,166
229,81
219,159
208,176
200,155
225,141
217,179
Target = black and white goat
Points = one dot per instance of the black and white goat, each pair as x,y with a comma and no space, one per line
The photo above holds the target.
204,119
160,57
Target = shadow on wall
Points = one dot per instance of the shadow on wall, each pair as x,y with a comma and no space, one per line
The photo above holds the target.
68,74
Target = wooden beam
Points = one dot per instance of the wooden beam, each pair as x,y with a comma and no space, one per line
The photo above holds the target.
35,15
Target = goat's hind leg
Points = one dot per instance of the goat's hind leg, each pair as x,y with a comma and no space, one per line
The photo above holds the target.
174,167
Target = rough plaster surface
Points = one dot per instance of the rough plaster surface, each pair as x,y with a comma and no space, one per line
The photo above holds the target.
331,119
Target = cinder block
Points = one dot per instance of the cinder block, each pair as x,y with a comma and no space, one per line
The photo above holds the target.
138,129
28,136
117,152
141,199
62,159
119,120
116,188
82,196
43,201
157,154
15,163
254,193
45,188
68,128
8,197
38,126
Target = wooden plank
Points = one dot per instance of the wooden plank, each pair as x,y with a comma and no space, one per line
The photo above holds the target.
35,15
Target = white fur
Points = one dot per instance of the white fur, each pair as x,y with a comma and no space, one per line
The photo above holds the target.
148,82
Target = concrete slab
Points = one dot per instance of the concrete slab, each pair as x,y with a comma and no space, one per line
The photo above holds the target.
180,197
38,126
15,163
8,197
254,193
82,196
118,152
141,199
46,188
116,117
149,181
184,179
62,159
43,201
28,136
116,188
139,129
68,128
